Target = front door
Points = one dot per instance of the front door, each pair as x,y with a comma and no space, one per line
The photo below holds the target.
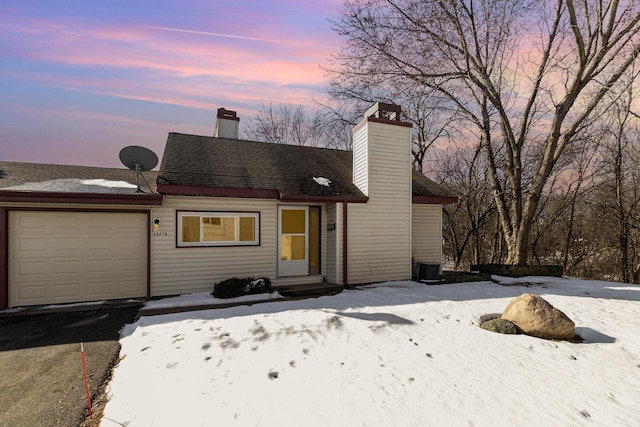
293,245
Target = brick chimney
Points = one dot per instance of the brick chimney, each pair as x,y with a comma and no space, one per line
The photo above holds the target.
227,123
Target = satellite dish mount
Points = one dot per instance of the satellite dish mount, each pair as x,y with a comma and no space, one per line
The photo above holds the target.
138,159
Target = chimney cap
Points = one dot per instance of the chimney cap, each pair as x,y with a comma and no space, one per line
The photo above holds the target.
223,113
383,110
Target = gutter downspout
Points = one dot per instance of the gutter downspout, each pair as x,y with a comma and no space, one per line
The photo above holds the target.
4,258
345,276
149,249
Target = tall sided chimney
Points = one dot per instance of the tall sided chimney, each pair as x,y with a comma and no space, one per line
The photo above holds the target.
381,142
382,171
227,123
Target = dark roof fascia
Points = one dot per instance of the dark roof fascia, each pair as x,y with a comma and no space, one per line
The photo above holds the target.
433,200
194,190
84,198
324,199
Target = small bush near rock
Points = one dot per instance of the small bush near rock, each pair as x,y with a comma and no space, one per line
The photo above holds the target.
232,288
502,326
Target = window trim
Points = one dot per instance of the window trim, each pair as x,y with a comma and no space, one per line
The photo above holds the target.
218,214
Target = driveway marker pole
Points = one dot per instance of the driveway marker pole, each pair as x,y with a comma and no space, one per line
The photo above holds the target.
86,382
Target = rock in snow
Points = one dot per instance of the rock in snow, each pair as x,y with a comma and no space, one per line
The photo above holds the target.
536,317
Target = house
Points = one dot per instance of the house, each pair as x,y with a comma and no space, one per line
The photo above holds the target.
221,207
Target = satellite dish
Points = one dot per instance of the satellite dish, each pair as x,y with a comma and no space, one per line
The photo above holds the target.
139,159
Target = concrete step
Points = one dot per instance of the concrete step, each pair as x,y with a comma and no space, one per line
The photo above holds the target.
312,289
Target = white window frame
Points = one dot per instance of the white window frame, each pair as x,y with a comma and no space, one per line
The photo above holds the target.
217,214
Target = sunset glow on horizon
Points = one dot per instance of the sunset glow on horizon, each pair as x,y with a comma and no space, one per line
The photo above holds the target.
81,80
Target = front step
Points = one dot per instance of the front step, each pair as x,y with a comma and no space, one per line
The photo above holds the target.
312,289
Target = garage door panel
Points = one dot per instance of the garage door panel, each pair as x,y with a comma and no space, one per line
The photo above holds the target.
97,243
33,270
32,223
97,226
130,223
128,243
127,286
99,266
32,294
61,257
99,288
32,244
67,289
66,268
65,243
130,262
64,224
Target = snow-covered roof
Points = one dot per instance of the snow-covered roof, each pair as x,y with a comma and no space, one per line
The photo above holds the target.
48,178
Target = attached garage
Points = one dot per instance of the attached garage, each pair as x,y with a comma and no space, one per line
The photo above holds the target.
58,257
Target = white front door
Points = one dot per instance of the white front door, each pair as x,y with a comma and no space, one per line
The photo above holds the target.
293,241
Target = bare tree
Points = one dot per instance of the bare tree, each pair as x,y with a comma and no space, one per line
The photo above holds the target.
283,124
561,209
469,224
526,75
432,124
621,156
296,125
432,115
338,120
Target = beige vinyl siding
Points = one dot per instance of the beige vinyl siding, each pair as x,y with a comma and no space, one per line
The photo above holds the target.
361,162
323,243
379,239
427,234
334,258
178,270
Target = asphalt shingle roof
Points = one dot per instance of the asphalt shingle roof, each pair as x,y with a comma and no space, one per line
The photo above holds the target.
203,161
37,177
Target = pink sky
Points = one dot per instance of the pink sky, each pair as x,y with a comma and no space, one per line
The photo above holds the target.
81,80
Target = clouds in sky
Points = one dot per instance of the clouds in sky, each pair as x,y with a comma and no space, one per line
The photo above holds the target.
80,80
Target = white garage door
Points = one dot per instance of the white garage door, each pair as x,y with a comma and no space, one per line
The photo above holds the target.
65,257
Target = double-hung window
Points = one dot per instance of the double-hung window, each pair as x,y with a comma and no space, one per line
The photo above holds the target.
218,228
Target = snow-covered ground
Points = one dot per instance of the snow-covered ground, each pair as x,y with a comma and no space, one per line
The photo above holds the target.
390,354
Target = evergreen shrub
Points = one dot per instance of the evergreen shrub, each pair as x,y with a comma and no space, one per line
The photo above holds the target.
235,287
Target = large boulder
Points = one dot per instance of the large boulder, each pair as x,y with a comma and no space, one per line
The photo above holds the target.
536,317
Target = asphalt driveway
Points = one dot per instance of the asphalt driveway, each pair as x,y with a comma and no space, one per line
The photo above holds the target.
41,378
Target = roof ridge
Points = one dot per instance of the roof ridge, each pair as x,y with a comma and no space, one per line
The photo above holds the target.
249,141
61,165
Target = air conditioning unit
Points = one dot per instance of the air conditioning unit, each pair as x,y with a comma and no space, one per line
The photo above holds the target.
428,271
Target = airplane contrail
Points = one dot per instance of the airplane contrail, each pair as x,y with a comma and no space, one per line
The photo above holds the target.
231,36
